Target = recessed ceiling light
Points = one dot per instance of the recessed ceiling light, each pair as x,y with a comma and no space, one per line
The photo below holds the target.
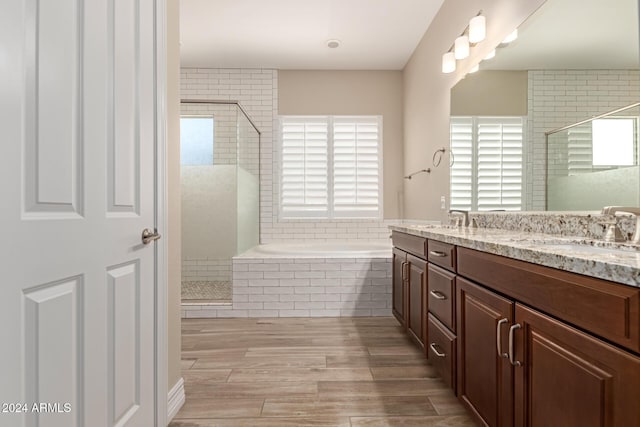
333,43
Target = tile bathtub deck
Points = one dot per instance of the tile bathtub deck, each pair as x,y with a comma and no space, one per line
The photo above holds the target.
309,372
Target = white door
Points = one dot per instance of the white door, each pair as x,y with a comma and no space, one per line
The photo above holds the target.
77,120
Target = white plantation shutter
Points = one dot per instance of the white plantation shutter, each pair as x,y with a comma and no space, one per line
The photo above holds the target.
356,166
487,172
305,161
331,167
462,176
499,163
579,150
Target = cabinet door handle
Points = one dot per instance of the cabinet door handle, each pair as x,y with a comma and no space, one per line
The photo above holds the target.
498,340
438,295
512,331
402,271
439,254
434,347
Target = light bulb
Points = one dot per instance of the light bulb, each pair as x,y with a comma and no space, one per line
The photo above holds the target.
461,47
477,29
448,63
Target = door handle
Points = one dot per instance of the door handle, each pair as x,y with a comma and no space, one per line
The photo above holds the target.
149,236
498,340
438,254
435,350
512,331
438,295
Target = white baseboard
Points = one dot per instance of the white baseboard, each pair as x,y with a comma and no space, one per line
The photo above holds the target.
175,399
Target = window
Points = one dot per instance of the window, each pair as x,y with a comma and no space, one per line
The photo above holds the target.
196,140
487,169
331,167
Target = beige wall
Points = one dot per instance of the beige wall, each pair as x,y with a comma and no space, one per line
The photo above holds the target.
427,93
355,93
173,197
491,93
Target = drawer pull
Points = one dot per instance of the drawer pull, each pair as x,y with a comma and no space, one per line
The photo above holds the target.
439,254
438,295
434,347
498,340
405,271
512,330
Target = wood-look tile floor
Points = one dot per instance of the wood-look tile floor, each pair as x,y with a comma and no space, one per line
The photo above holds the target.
320,372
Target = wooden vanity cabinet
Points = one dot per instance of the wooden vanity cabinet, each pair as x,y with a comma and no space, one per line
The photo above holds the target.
410,284
520,367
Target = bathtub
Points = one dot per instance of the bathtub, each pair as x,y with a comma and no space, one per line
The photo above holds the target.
377,249
310,279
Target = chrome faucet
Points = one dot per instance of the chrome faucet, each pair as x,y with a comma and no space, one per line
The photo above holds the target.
464,214
635,211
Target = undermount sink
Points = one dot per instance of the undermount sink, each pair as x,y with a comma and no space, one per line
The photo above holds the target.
577,247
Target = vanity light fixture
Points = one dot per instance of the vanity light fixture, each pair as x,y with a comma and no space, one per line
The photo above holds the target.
461,47
511,37
477,29
474,33
448,62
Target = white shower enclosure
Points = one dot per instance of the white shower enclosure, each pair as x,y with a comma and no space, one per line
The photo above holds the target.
220,177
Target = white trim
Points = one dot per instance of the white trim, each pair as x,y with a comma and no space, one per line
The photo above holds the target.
161,329
175,399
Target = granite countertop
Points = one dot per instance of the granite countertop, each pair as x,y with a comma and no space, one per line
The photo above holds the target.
615,262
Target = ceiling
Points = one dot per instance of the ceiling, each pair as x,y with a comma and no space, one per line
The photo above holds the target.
574,34
292,34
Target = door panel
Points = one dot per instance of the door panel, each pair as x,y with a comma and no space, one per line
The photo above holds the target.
51,139
484,379
77,189
569,378
398,296
416,317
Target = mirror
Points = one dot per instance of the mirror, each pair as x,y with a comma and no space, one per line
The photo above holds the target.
572,60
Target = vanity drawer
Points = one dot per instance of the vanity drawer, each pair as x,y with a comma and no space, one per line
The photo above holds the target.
442,254
603,308
409,243
441,351
441,294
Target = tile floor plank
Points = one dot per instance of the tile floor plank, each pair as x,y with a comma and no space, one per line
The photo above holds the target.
315,372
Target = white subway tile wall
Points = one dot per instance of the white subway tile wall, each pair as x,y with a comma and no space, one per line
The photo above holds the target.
559,98
257,91
305,287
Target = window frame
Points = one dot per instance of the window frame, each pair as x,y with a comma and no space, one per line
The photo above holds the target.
330,212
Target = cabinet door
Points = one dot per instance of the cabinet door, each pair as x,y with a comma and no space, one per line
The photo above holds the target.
417,285
568,378
398,297
485,379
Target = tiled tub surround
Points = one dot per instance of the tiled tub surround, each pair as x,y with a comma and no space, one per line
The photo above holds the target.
297,285
621,266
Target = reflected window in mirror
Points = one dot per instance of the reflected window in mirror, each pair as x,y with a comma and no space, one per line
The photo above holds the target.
613,142
487,172
196,140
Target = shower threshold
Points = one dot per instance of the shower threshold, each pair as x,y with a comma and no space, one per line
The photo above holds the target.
202,292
